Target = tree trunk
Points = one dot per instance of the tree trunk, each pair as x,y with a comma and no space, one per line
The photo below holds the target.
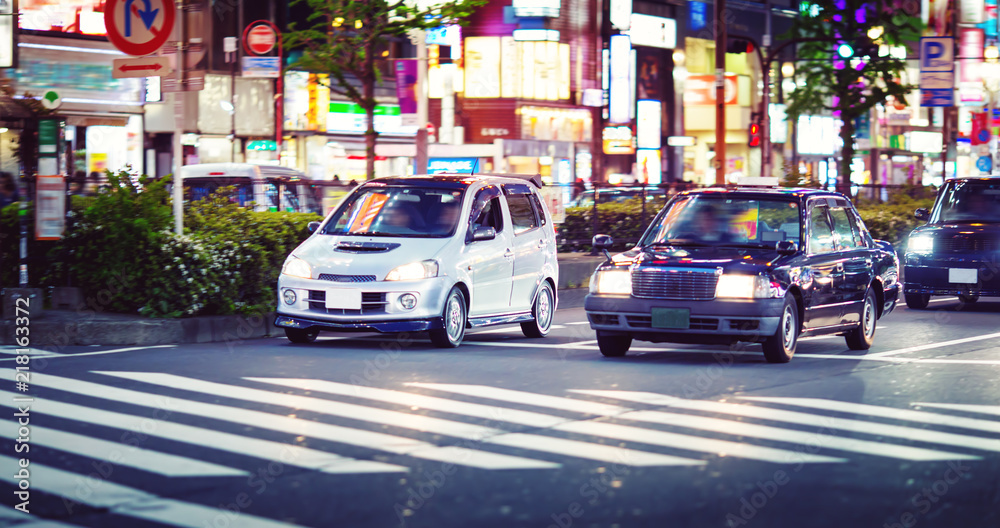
847,154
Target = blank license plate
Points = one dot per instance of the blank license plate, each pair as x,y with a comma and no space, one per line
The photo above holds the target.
676,318
343,299
963,276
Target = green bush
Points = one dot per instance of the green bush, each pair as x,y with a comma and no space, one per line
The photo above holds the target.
623,221
122,252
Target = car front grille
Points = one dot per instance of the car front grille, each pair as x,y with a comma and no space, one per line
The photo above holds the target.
966,244
677,284
371,303
346,278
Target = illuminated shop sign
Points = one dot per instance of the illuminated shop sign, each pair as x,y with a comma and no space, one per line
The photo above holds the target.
65,16
647,166
649,123
454,165
618,140
653,31
536,8
620,66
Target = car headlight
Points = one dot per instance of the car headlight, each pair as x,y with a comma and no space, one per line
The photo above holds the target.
296,267
920,244
414,271
743,287
615,281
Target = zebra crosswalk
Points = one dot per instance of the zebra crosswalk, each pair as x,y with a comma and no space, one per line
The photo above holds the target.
344,429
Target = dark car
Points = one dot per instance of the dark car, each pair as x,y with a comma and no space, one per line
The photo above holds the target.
617,195
762,265
956,252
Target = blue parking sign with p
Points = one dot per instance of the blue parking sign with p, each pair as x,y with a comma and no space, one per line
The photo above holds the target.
937,54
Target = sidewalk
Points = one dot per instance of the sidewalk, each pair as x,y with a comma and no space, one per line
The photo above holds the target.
59,328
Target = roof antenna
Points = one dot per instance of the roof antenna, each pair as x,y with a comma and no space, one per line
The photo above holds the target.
474,165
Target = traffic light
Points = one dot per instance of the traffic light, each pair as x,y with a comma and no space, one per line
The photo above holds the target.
738,45
753,135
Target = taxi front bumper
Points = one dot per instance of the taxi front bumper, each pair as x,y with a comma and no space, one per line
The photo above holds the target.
714,321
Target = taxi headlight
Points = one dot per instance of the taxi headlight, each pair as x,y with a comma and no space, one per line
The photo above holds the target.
414,271
920,244
744,287
296,267
614,281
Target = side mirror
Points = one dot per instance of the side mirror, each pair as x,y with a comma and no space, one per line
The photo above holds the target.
922,214
602,242
786,248
313,226
484,233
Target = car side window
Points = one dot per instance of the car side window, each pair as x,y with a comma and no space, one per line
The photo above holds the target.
538,208
491,216
522,216
820,231
843,230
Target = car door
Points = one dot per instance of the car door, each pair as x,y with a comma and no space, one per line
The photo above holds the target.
853,283
825,268
529,245
490,262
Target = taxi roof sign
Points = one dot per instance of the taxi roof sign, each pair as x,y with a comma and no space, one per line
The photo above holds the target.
757,181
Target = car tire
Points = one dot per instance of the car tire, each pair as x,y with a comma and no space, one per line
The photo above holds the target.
780,347
455,316
613,345
968,299
542,311
917,301
862,337
298,335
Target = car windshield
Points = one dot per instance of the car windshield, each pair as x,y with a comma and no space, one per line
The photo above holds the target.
968,202
701,220
200,188
398,211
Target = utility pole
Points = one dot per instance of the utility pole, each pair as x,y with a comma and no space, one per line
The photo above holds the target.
720,93
765,119
178,190
422,112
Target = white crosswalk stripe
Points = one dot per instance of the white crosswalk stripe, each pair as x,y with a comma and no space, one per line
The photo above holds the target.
121,454
17,519
488,435
504,434
127,501
533,419
289,424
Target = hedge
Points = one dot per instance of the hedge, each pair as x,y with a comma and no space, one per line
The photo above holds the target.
122,252
891,222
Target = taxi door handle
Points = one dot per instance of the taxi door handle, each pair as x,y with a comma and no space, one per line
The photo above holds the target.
541,243
840,266
508,254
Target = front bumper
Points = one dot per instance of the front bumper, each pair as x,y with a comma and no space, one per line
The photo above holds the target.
420,325
715,321
380,309
929,274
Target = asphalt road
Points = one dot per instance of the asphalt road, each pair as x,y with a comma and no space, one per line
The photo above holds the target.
382,431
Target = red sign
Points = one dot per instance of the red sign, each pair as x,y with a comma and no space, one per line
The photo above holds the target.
980,129
261,39
700,90
139,30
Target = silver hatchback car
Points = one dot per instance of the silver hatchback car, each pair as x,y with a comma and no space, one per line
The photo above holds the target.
438,253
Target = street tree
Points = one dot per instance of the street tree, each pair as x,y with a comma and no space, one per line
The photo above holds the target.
349,40
847,68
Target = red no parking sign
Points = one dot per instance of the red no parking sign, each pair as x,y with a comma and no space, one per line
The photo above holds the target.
139,27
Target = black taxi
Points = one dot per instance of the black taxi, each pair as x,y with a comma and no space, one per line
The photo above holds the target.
956,251
756,264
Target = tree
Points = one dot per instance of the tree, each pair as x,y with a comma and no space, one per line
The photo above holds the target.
348,38
850,72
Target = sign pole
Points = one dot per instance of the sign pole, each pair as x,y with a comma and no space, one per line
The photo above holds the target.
178,190
720,92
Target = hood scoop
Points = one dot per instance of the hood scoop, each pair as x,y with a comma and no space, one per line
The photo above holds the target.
365,247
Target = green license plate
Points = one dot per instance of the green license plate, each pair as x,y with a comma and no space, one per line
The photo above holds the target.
676,318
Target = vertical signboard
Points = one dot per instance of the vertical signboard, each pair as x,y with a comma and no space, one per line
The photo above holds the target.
50,207
648,123
647,166
937,71
621,14
406,83
620,66
482,67
8,31
972,11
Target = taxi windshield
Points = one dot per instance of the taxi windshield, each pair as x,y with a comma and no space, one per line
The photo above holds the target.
969,202
701,220
398,212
